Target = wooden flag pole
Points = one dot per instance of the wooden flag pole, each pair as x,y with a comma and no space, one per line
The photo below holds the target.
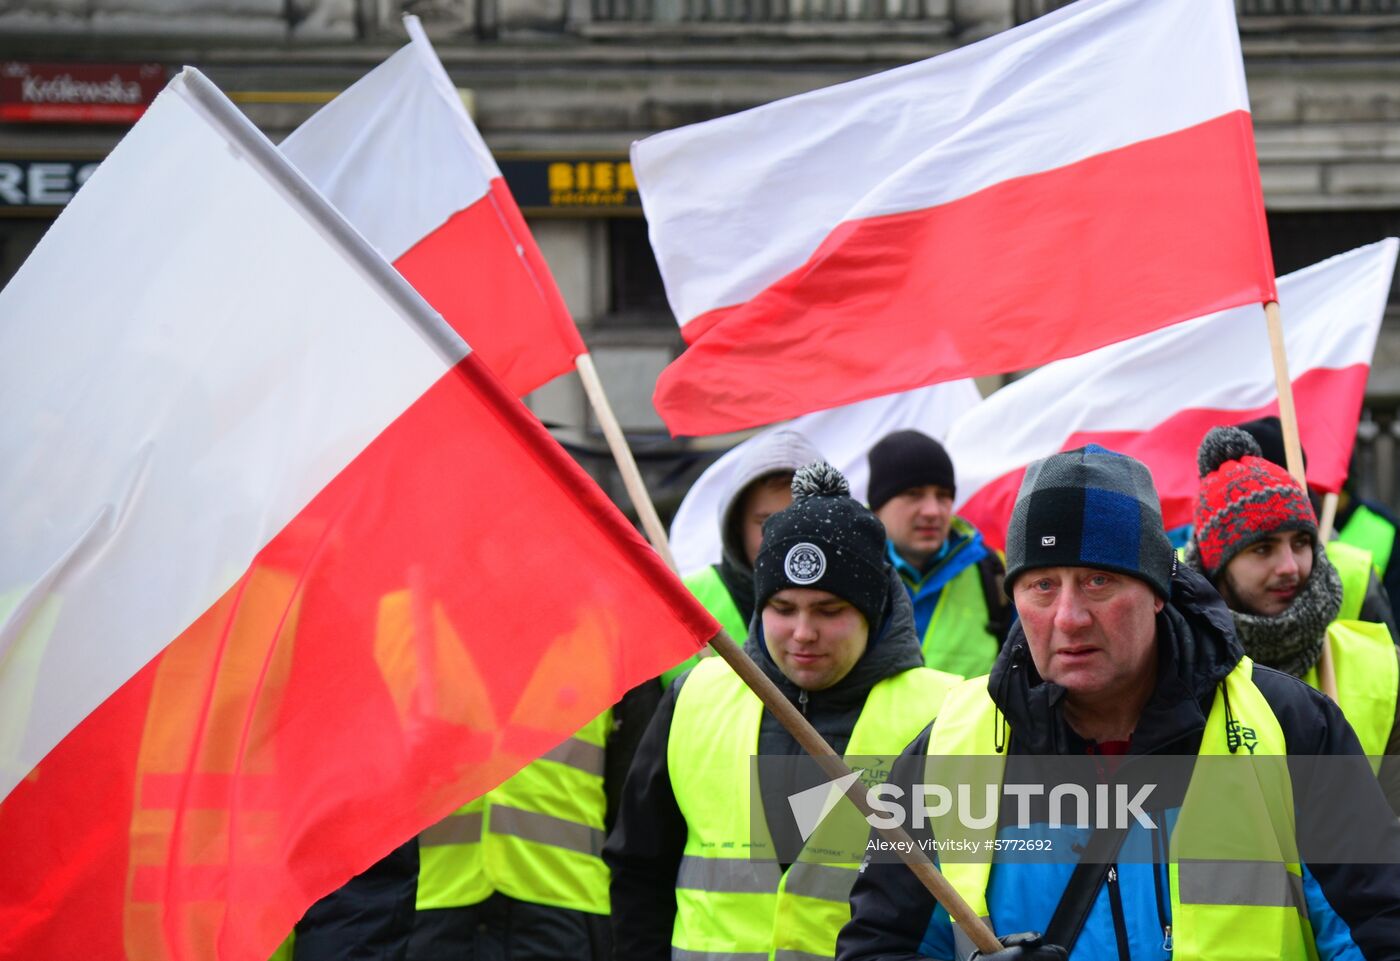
1293,453
1326,668
626,464
1287,415
835,767
1328,520
767,692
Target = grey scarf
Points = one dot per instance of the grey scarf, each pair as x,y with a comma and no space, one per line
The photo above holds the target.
1292,641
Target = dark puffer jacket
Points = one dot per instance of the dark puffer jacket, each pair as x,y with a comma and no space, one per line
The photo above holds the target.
1354,908
645,847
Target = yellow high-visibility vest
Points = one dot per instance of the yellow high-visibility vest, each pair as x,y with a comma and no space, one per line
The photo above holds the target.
1371,532
1368,677
1223,908
956,639
536,838
730,903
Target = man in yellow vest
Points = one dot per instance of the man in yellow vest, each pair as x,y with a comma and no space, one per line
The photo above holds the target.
1122,662
517,874
692,876
1256,540
952,577
762,487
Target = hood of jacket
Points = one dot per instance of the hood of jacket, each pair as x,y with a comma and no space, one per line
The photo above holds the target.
1196,649
782,450
893,649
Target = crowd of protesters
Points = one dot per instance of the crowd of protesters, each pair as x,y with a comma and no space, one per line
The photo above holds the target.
663,829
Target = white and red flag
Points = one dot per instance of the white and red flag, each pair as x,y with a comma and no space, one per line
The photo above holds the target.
843,436
1155,396
1082,179
287,574
400,158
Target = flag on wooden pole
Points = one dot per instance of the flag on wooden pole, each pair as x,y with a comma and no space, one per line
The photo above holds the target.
1078,180
1155,396
288,575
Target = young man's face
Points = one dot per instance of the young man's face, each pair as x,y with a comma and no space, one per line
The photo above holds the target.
813,636
764,498
1266,576
916,521
1093,632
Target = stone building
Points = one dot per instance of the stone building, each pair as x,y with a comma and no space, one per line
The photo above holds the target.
560,88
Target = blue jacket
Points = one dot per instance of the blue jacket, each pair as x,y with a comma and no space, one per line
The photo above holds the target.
962,550
1354,909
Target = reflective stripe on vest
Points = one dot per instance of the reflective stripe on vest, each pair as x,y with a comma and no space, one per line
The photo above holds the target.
1368,676
1354,567
956,639
535,838
729,902
1371,532
1221,909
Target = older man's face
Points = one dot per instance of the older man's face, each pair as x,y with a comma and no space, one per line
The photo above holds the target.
1093,632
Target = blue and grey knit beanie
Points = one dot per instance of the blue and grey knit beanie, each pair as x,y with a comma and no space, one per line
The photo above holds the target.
1090,507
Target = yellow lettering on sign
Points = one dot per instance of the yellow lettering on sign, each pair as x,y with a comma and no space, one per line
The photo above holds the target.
603,178
561,176
587,198
583,178
625,179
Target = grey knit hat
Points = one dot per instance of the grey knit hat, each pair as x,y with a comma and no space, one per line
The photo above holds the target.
1090,507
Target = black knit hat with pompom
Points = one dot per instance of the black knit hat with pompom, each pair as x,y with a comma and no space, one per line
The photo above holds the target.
827,541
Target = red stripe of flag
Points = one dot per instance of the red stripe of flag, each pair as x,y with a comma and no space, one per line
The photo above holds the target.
987,283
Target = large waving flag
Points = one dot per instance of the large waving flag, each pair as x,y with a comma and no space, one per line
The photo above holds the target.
1155,396
1079,180
287,574
843,435
398,155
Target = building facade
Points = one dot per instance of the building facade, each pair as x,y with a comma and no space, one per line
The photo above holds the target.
560,88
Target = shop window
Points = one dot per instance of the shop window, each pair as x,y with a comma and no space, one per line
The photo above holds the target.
1300,238
638,296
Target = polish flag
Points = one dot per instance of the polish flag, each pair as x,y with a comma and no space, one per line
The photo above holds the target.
399,157
1156,396
843,436
287,575
1079,180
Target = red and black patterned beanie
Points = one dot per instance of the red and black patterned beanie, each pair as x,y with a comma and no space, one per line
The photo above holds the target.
1243,498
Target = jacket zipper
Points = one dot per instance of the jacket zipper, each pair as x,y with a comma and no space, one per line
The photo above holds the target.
802,701
1161,880
1120,924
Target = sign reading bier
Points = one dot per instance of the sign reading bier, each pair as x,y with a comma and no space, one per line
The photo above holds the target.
77,92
